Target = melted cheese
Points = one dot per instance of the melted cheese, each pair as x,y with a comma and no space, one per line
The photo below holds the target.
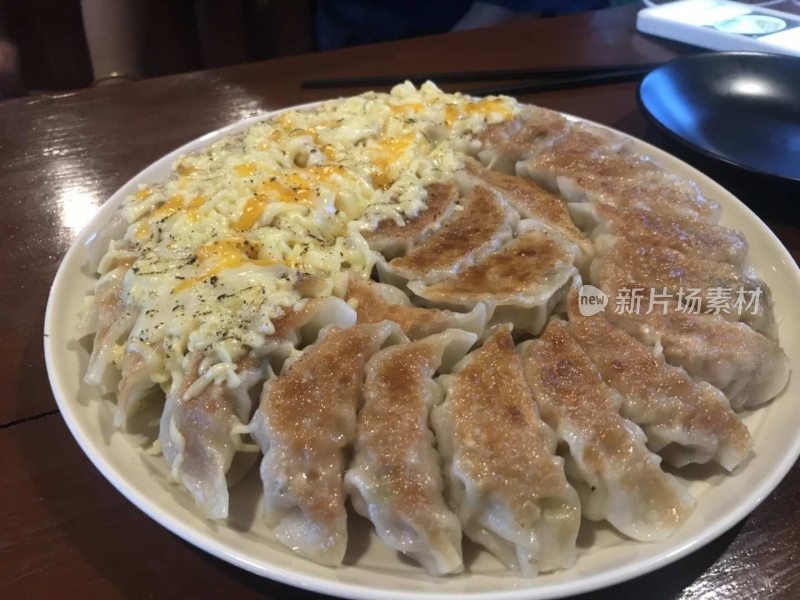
218,248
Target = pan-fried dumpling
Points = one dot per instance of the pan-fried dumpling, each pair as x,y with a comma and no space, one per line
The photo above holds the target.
502,145
649,228
624,265
585,139
395,479
484,224
305,421
392,238
531,202
547,168
504,479
111,319
301,325
197,434
375,302
206,406
747,366
646,188
617,477
137,379
521,283
686,421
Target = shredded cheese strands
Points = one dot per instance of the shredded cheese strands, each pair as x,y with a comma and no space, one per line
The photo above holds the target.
220,245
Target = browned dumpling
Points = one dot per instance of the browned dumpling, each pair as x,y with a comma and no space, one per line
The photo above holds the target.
685,421
534,202
521,283
650,228
643,187
305,420
504,479
395,478
502,145
617,477
623,265
484,224
393,239
747,366
205,410
375,302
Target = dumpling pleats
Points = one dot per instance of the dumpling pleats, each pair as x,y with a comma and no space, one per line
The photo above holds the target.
504,480
305,421
375,302
197,432
521,283
617,477
686,421
395,478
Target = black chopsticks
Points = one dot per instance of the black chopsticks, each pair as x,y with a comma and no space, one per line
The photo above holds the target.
552,78
565,83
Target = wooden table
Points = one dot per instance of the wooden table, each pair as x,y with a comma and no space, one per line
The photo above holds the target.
64,530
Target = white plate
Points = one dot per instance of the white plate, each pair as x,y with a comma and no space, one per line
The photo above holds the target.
372,570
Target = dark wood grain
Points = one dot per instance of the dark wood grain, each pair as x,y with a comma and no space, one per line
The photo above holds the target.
63,530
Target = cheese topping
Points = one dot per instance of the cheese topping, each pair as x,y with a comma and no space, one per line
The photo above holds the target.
218,250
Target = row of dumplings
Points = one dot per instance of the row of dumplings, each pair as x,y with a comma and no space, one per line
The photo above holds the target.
501,419
532,433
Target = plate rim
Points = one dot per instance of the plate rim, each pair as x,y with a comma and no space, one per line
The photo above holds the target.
309,582
669,132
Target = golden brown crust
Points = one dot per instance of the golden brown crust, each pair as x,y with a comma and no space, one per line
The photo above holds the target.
476,227
630,266
535,128
690,236
574,398
310,410
393,429
441,197
521,267
371,307
531,201
500,442
668,396
652,190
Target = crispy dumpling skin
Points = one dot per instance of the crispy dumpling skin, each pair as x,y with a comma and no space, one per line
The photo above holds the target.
502,145
305,421
394,239
647,227
654,190
617,477
505,481
521,282
532,202
375,302
199,425
620,264
685,421
484,224
748,367
395,477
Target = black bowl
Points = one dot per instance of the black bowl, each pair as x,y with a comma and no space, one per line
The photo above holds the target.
739,107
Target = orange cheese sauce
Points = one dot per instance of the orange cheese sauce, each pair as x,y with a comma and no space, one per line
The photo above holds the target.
481,108
302,185
222,255
385,153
